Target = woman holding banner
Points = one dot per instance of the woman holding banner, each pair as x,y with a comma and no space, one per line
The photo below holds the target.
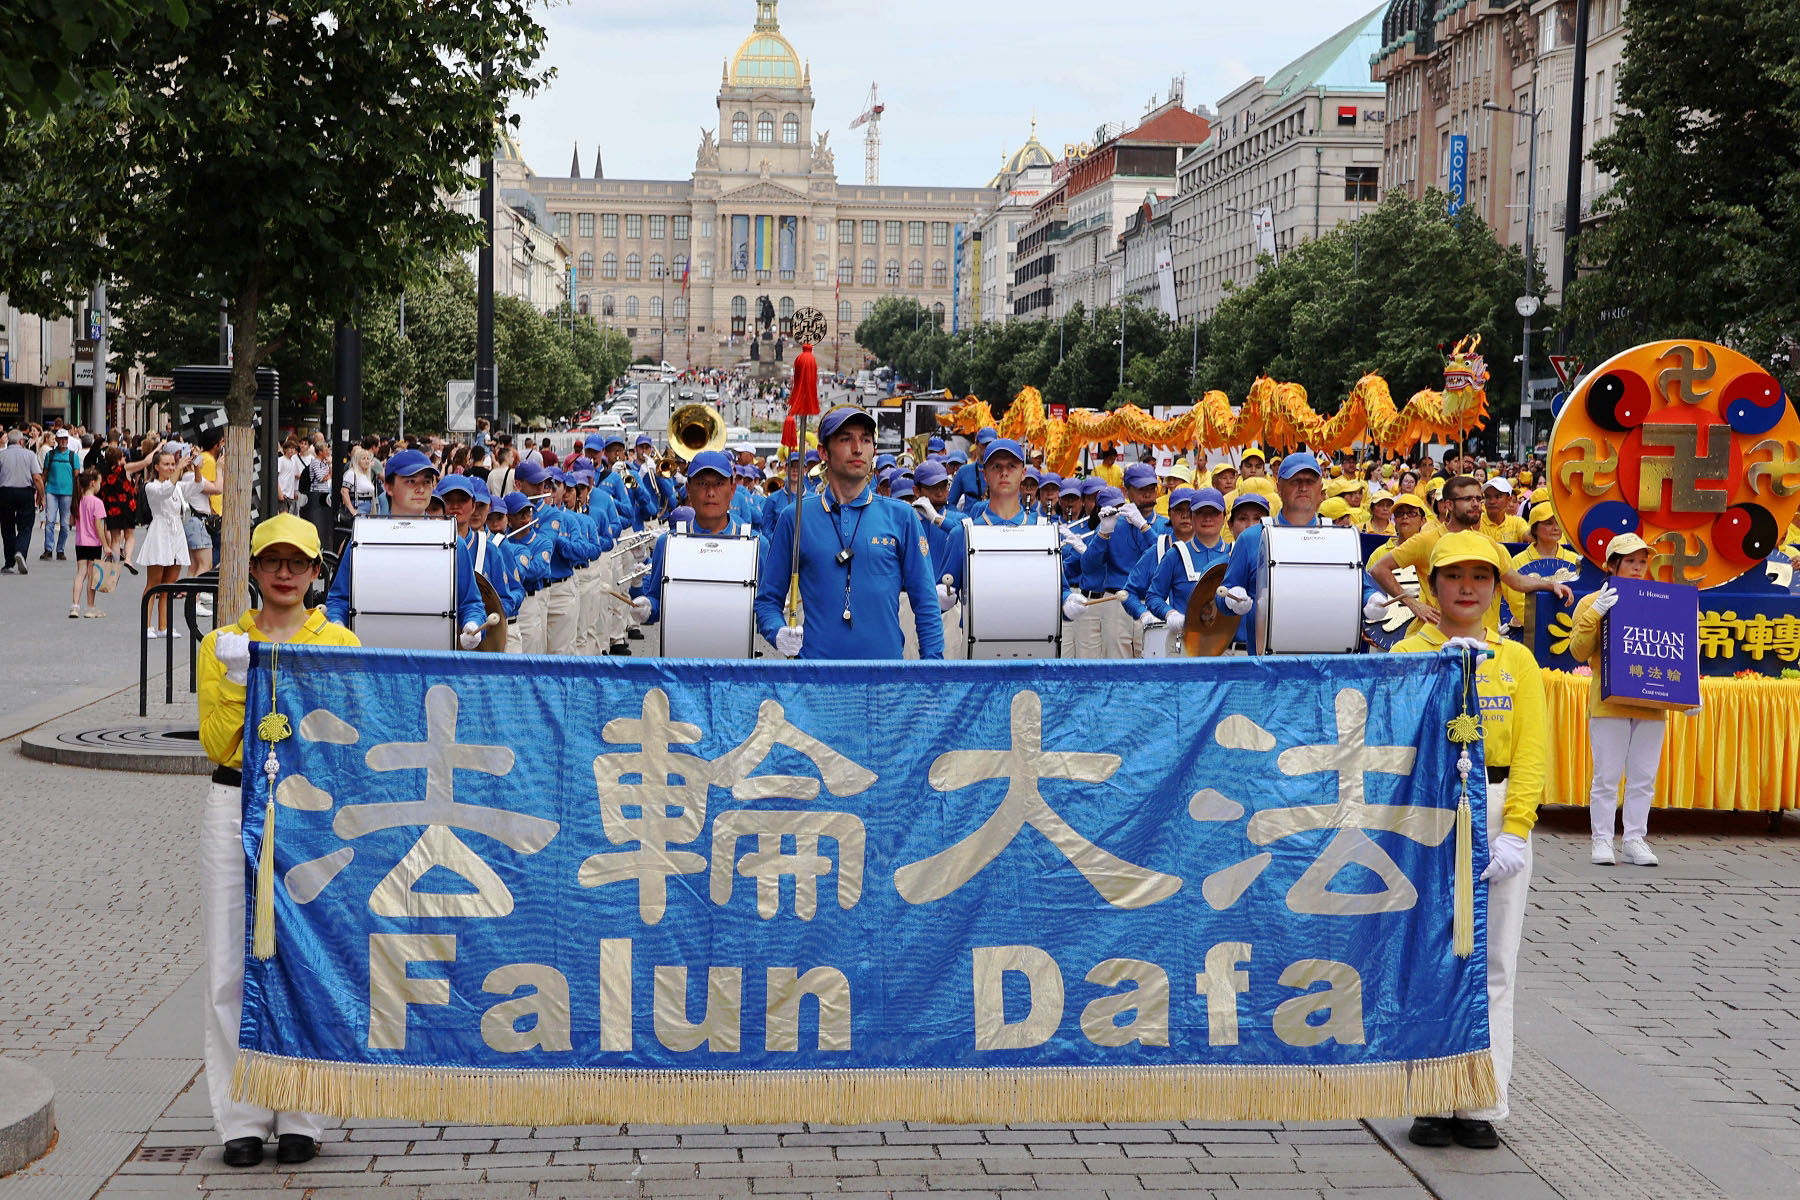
284,561
1465,574
1626,738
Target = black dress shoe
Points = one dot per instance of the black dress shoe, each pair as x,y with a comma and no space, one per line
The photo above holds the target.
636,635
295,1148
1476,1135
243,1152
1431,1131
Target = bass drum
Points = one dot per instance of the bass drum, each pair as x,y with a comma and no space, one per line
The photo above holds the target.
403,582
1012,583
1309,590
708,596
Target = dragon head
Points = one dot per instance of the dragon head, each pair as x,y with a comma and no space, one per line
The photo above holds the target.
1465,378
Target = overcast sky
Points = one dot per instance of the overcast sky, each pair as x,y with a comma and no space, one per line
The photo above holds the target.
961,79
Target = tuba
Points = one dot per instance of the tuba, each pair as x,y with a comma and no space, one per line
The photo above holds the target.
694,428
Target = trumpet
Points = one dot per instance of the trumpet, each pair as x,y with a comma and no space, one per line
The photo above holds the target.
694,428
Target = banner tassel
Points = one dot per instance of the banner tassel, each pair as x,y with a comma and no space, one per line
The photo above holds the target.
1463,922
262,937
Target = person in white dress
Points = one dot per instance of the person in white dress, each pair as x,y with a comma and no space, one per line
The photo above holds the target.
164,551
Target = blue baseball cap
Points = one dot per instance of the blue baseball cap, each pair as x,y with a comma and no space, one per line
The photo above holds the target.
884,460
581,478
593,441
839,416
482,495
556,475
611,440
455,483
1256,498
986,434
644,439
1092,485
1110,496
1002,445
1180,497
1140,475
531,471
514,502
1049,479
682,516
812,456
930,474
793,457
405,463
1300,460
956,456
716,461
901,489
750,471
1206,497
934,443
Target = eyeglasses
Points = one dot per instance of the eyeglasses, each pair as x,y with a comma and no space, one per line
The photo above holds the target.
294,566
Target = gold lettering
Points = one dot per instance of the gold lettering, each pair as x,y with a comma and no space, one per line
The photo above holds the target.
1222,983
786,988
1341,1002
615,994
1147,998
992,1030
547,1005
718,1029
391,989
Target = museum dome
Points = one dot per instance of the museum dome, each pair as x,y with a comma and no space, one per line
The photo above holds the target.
1031,154
766,59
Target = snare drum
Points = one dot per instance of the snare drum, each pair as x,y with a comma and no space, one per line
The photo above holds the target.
403,582
1309,590
1012,583
709,596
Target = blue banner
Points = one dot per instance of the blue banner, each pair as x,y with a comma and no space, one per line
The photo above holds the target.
514,889
1459,172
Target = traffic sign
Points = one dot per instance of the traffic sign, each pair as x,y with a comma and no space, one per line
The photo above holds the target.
459,406
159,383
1567,369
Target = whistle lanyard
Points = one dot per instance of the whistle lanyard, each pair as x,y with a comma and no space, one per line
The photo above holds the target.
847,549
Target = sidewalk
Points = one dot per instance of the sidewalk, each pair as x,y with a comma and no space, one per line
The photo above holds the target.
1655,1055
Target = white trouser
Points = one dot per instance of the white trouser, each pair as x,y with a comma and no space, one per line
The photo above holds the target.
1090,629
909,629
1628,746
614,619
515,639
587,615
222,908
561,612
1505,926
1120,635
531,624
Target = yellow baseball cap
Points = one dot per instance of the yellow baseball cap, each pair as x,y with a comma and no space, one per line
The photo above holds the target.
1334,508
1542,512
1253,451
1468,546
1408,500
285,529
1625,543
1259,484
1540,496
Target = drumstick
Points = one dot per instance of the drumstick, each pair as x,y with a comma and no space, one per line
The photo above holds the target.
1102,600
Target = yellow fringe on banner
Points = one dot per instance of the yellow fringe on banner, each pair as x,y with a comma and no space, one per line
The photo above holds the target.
1462,925
483,1096
262,931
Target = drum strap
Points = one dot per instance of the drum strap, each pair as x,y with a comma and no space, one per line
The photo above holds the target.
1187,563
480,553
1162,548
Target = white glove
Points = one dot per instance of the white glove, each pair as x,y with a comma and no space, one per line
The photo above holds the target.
946,595
1071,538
1506,857
470,638
1134,517
1147,619
640,610
1073,607
788,640
1235,601
928,511
233,650
1604,599
1176,620
1473,645
1375,608
1109,520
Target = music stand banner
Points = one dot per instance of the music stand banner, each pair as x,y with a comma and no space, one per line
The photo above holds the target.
535,891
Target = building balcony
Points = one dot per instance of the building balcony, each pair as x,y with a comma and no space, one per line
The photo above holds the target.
1590,208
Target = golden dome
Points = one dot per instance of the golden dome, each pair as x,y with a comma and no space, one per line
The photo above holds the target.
766,59
1031,154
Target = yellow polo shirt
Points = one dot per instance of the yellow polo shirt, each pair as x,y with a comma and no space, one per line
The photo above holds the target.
1415,552
222,701
1507,529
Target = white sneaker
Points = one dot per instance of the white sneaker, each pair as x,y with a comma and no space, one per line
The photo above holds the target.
1602,854
175,633
153,633
1639,854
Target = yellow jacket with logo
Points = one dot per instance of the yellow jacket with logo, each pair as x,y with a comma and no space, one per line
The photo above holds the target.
222,701
1515,722
1586,644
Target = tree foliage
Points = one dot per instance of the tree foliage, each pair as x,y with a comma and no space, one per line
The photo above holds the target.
45,48
1702,225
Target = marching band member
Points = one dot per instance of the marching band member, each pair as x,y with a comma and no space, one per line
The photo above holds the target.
965,487
410,479
710,495
1626,738
1247,508
531,552
1003,473
619,482
857,552
931,488
1120,538
1180,516
1172,582
1465,574
284,561
561,603
1028,490
1299,483
586,533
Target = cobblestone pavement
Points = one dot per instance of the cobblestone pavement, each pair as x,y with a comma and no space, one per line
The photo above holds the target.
1655,1057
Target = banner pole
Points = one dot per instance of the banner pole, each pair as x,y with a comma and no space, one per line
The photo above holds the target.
793,601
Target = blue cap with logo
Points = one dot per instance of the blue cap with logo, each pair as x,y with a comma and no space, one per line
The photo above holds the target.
716,461
1300,460
1140,475
406,463
454,483
1002,445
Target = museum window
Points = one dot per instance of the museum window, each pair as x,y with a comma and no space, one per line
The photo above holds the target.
582,307
843,316
631,331
893,272
681,229
940,274
659,226
678,306
634,226
706,266
656,266
609,225
937,314
562,224
790,130
740,127
585,225
633,267
846,233
893,233
846,271
822,231
765,128
915,274
940,233
915,233
609,266
871,233
785,313
868,309
584,266
706,229
740,310
821,270
631,307
607,308
678,269
656,307
868,272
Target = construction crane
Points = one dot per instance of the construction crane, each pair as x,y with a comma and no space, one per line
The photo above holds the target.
871,116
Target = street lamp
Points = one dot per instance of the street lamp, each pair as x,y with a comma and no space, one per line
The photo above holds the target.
1527,305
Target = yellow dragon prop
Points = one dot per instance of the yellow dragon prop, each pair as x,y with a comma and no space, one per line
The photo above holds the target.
1273,414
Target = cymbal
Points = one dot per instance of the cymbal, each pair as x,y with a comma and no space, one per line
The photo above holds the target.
493,640
1209,628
